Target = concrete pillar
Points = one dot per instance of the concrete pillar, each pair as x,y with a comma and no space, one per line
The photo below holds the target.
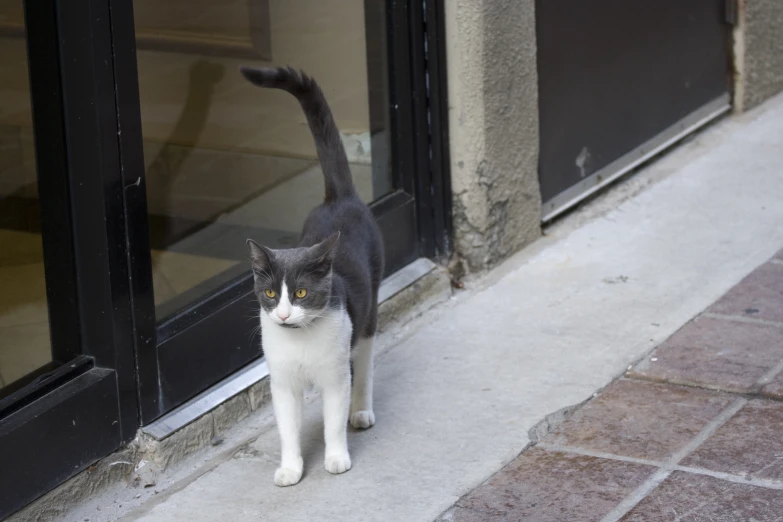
758,52
493,127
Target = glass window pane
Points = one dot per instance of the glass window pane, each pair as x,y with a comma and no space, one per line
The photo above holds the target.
226,160
24,322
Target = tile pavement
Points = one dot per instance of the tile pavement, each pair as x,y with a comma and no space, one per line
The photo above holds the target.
693,432
774,390
758,297
685,496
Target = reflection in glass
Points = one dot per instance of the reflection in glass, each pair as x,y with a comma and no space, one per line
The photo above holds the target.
226,160
24,322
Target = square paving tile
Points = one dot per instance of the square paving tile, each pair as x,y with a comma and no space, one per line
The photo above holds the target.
759,295
698,498
750,443
715,353
640,419
774,389
552,486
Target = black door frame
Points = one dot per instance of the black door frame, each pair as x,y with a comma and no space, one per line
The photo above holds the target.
83,405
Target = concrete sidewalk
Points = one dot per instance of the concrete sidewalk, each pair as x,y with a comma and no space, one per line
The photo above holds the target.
692,433
455,400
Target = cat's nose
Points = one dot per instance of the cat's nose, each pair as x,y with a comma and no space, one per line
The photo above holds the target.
283,315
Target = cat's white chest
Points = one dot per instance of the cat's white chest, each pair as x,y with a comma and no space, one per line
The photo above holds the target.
309,352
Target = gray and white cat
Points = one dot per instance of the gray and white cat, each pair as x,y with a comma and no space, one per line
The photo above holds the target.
319,301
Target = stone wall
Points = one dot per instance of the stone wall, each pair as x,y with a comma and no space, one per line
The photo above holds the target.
758,52
493,126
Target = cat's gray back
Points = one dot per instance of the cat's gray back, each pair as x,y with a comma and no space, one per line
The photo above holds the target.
357,261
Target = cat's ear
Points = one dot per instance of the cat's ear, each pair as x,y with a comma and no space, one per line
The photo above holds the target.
260,257
323,252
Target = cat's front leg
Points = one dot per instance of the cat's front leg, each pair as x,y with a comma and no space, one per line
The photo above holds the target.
337,398
287,402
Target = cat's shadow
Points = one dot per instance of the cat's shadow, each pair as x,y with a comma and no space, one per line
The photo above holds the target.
313,444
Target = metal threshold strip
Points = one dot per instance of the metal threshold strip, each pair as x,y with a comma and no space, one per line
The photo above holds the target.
627,162
243,379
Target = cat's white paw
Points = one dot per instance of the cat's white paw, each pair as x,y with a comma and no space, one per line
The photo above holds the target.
287,476
337,463
362,419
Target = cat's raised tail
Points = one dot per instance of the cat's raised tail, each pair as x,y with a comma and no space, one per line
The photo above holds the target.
331,153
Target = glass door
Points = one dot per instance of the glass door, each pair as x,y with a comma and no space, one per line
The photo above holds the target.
221,160
225,160
67,379
25,343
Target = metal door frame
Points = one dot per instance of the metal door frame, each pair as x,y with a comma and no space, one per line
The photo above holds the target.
82,406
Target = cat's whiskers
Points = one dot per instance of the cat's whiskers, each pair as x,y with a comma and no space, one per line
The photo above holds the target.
256,314
310,317
305,325
254,331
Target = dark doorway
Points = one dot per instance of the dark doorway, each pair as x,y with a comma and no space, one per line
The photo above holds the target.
618,82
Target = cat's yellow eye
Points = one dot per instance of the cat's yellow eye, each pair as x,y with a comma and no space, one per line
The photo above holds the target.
301,293
270,293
